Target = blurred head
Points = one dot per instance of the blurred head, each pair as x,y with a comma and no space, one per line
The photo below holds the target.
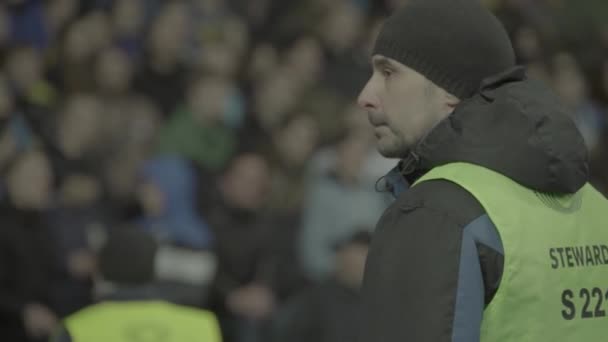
60,12
79,125
207,99
113,71
342,26
246,183
527,44
143,125
568,79
220,59
128,17
296,139
168,33
97,26
29,181
351,255
274,97
236,35
24,67
402,105
77,46
264,59
305,59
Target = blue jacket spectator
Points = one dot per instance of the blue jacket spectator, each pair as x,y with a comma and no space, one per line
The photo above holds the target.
168,197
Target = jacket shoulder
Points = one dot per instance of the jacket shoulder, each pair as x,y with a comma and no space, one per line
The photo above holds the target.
443,197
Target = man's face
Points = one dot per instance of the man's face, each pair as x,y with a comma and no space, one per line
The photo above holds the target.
402,105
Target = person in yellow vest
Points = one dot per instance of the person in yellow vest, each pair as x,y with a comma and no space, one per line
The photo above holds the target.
495,234
133,310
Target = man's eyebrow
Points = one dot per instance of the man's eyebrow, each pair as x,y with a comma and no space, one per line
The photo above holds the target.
381,62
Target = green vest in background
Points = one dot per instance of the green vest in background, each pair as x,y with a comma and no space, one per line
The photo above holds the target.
554,286
142,321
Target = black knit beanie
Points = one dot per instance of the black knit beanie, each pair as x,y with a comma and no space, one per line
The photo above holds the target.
454,43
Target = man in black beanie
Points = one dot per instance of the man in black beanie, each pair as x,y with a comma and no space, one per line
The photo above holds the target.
496,176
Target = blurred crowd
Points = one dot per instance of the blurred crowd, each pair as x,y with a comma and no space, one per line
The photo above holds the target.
226,128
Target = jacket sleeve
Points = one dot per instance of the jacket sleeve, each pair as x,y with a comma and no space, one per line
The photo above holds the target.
423,280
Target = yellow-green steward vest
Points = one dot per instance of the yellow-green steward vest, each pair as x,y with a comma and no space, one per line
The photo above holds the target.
142,321
554,286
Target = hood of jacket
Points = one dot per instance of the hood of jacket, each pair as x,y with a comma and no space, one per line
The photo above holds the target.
514,126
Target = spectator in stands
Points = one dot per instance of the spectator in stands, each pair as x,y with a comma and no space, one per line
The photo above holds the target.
129,125
337,202
127,25
77,210
244,295
122,106
27,272
573,88
200,131
167,196
78,134
73,60
163,77
329,312
305,60
341,31
97,23
264,59
25,71
58,14
219,39
136,141
273,97
293,143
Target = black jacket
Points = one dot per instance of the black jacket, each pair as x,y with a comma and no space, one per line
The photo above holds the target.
325,313
27,270
243,245
436,258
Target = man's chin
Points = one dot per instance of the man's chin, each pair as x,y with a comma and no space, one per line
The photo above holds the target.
392,152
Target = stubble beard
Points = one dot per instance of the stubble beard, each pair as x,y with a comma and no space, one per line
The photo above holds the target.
397,149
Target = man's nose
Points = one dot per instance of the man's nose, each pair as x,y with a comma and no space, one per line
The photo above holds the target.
366,99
